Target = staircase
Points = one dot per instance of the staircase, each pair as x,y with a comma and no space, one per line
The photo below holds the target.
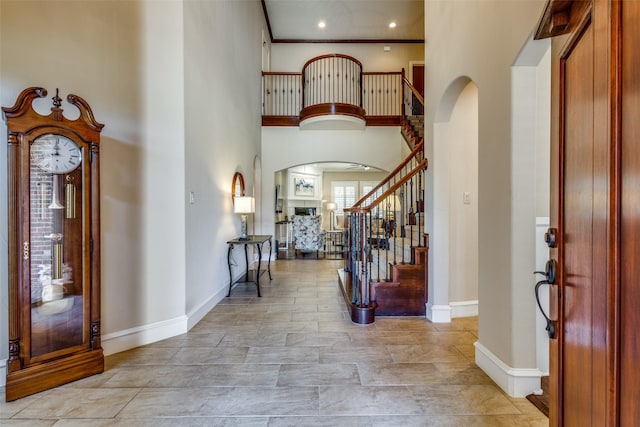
412,129
406,293
386,268
412,120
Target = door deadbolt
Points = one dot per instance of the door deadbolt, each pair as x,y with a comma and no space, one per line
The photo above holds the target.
550,237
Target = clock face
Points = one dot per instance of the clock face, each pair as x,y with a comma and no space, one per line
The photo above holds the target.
55,153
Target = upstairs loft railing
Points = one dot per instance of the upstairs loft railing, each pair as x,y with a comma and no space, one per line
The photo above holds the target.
332,84
383,228
332,79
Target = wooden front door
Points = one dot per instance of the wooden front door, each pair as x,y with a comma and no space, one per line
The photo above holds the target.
595,193
583,218
629,263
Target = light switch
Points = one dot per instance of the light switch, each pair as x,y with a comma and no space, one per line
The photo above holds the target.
466,197
192,197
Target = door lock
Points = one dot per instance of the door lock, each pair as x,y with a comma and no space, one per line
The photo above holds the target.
550,279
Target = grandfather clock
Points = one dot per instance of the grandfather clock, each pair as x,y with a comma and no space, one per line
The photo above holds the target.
54,245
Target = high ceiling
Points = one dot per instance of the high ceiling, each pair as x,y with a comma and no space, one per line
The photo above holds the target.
346,20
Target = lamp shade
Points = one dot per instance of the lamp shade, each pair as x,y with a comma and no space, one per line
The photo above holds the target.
244,205
332,206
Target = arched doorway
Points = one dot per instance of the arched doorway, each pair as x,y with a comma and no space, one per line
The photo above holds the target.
453,288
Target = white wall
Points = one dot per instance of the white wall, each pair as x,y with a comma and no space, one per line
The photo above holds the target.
462,140
125,58
178,120
223,43
543,130
291,57
531,93
480,41
284,147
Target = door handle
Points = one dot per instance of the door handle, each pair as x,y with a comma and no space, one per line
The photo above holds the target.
550,279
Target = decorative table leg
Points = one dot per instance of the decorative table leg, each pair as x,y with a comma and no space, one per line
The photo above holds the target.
229,264
258,270
246,263
269,261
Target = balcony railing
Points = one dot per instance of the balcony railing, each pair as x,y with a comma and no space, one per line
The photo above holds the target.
281,94
382,93
332,84
332,79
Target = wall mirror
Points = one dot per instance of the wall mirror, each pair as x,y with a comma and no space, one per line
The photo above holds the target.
237,186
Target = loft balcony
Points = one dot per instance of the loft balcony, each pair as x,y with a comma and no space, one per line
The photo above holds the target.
332,92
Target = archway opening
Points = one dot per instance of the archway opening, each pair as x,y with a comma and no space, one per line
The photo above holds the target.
455,235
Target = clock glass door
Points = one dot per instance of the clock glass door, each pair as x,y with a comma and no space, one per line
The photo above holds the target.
58,318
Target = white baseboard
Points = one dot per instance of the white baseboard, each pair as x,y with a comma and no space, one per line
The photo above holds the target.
196,315
3,372
146,334
439,313
142,335
516,382
128,339
464,308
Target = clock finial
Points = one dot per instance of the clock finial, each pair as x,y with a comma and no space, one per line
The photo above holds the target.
56,110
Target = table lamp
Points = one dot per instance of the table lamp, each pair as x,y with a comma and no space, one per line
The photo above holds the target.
244,205
331,207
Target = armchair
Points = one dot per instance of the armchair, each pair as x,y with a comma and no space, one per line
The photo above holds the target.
307,233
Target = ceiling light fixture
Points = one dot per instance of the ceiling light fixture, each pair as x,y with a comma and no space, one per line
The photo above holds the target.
392,24
321,24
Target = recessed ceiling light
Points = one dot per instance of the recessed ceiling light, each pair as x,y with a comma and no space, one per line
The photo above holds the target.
392,24
321,24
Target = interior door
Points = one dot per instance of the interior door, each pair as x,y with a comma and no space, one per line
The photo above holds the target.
417,73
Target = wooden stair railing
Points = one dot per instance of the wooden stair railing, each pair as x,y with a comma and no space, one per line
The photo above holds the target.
412,121
384,230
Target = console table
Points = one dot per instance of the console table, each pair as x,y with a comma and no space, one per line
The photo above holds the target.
250,276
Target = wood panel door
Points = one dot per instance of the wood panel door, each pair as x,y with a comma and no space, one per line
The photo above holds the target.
629,378
417,72
582,255
595,193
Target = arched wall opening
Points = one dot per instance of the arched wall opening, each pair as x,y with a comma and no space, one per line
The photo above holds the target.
453,289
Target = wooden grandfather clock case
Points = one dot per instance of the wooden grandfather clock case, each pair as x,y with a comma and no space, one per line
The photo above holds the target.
54,244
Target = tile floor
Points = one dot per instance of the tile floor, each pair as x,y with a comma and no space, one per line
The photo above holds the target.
290,358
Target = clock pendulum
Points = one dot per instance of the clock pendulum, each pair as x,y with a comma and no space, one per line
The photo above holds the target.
70,198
